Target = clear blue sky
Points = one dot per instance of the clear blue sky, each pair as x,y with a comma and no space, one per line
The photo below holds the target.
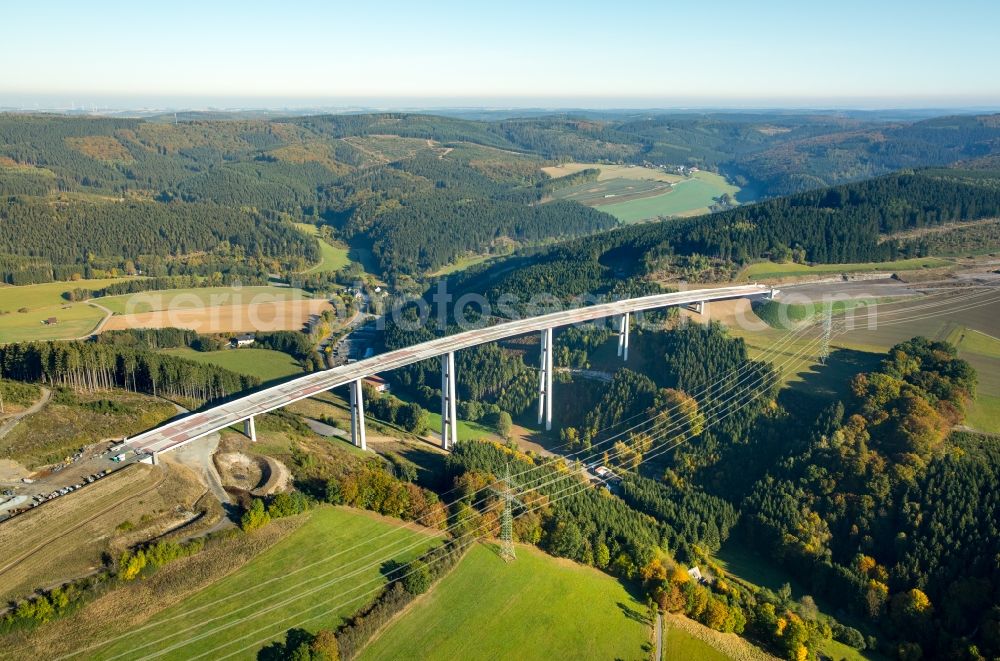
624,53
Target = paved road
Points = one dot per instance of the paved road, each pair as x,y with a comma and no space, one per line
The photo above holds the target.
659,636
179,431
12,421
100,325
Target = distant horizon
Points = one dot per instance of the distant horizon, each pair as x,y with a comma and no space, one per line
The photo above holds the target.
642,54
117,103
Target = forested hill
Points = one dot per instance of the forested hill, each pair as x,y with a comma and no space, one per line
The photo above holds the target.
61,238
419,191
850,223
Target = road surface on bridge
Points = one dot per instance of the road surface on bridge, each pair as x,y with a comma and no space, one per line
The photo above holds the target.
182,430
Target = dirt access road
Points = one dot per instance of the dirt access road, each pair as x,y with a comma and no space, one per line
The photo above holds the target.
11,422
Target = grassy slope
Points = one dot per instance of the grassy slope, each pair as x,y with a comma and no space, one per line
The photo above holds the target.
770,270
327,531
460,264
467,431
679,645
67,423
788,316
983,352
862,350
263,363
332,258
537,607
44,301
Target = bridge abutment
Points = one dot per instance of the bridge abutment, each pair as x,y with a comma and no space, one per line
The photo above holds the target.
250,429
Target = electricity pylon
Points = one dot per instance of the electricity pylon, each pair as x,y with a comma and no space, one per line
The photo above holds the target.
827,331
507,520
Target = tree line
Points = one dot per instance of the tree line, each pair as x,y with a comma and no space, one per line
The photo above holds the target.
91,366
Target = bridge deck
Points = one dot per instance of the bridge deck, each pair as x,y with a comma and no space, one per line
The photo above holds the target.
178,431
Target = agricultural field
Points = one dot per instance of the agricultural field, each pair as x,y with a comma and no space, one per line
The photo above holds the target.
632,194
265,364
609,172
332,258
43,301
315,577
772,271
691,197
199,297
215,309
537,607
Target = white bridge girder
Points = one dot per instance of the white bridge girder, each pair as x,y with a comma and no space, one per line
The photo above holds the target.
182,430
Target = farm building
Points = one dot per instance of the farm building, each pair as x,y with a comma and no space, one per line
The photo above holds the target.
244,340
377,382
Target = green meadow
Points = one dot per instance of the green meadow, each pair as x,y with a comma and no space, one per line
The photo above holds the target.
265,364
332,258
43,301
690,197
770,270
536,607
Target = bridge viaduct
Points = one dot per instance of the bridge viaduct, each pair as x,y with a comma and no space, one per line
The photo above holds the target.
179,431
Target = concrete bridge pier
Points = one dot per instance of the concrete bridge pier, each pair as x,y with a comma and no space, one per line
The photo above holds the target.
358,415
250,429
545,380
449,418
623,329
